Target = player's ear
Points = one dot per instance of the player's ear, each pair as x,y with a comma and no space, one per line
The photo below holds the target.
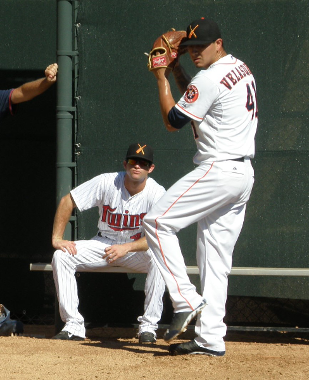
125,164
219,43
151,168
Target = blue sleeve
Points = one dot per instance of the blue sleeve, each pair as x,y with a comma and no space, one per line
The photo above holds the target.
177,119
5,103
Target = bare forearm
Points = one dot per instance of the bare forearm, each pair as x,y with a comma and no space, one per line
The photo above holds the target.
35,88
137,245
182,79
62,217
114,252
166,99
30,90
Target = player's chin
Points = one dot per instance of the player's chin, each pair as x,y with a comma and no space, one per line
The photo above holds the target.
138,177
198,63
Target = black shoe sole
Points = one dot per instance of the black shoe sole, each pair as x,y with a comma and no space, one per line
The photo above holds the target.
148,342
170,335
187,349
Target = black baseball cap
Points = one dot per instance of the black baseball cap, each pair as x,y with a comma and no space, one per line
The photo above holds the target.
201,32
141,151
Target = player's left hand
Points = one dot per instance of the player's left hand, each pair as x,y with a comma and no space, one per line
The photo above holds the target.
51,72
166,50
114,252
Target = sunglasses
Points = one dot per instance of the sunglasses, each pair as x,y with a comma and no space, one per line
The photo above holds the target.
141,163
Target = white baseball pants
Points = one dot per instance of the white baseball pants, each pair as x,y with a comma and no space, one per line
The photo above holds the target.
215,196
89,256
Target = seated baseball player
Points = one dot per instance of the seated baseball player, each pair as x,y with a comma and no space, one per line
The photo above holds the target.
123,199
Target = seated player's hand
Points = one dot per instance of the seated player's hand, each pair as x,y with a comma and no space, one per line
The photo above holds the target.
114,252
65,245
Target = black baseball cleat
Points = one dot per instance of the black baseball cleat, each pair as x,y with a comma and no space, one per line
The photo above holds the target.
65,335
192,348
147,337
180,322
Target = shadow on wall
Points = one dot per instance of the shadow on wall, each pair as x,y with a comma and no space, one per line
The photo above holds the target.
28,176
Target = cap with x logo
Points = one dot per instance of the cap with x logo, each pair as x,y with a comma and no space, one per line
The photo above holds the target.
141,151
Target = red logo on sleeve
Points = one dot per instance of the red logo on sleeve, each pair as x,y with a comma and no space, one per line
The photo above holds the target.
191,94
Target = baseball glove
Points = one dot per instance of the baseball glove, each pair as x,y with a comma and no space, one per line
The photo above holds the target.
165,50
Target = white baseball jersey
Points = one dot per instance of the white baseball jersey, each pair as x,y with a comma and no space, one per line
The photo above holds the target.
221,102
215,100
120,213
120,221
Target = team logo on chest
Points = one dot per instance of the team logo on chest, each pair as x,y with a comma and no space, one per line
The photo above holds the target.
121,222
191,94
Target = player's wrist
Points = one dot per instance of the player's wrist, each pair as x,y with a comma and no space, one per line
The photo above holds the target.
127,247
162,74
57,238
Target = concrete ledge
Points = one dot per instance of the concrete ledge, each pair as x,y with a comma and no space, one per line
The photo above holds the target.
239,271
45,267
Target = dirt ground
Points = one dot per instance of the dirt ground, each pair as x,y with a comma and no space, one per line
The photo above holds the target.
248,356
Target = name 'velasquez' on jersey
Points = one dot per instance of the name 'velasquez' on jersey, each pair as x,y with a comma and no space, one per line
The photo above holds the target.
242,70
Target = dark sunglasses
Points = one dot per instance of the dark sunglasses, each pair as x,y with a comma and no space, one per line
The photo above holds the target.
141,163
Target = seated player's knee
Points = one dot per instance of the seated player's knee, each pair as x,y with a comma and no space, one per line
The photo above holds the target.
57,257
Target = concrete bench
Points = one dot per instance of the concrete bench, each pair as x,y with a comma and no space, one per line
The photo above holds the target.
240,271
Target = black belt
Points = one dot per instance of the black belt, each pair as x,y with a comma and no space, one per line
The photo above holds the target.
240,159
103,236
